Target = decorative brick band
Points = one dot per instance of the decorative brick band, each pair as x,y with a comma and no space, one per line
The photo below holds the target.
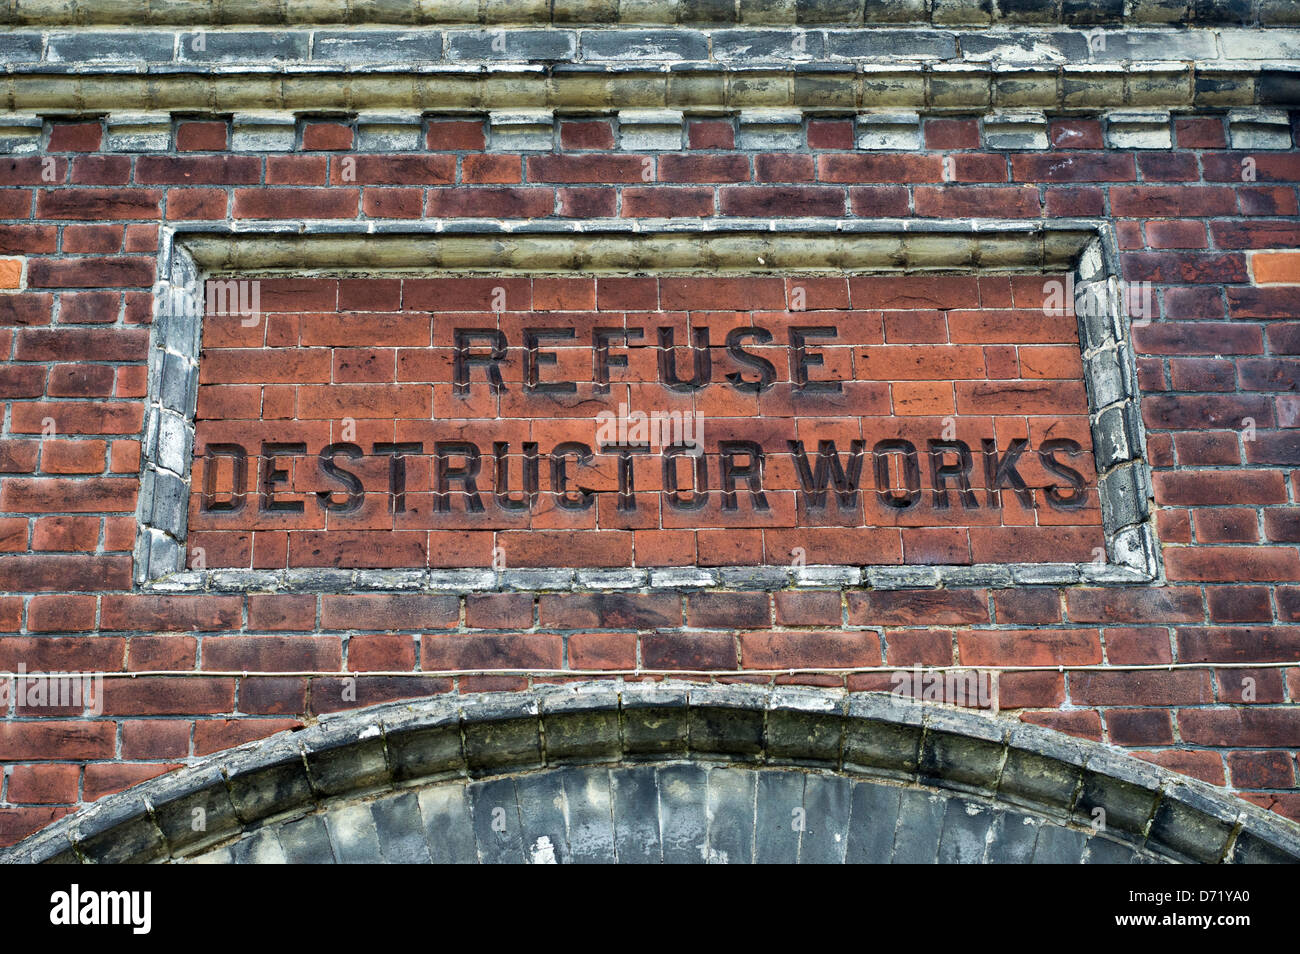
251,798
825,88
875,246
846,12
635,130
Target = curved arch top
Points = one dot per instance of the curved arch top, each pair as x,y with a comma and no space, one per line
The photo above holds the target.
417,781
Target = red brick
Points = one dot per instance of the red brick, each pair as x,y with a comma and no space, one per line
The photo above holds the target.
326,136
49,740
156,738
1036,647
586,134
44,784
202,136
455,135
171,613
712,134
602,651
381,652
499,611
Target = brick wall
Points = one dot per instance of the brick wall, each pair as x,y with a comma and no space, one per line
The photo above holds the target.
80,228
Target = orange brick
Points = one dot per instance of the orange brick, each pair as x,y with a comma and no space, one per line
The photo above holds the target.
1276,268
11,272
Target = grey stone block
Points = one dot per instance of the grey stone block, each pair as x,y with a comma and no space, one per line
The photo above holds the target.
965,830
649,130
1104,851
1014,838
389,132
882,737
377,46
1122,496
1025,46
500,734
542,807
521,45
235,46
730,808
1041,770
749,46
683,822
872,823
400,829
1017,129
590,822
337,762
262,847
118,832
645,45
448,827
727,719
268,779
138,132
110,46
1059,846
497,828
826,801
193,807
20,47
655,719
307,842
581,726
1191,825
419,748
951,752
920,825
778,813
635,795
1127,797
877,44
1111,437
803,730
352,832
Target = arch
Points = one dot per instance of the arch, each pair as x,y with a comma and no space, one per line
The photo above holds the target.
668,771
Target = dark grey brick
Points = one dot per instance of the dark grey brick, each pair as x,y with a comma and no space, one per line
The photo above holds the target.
591,827
1104,851
778,811
731,794
1014,836
661,45
965,827
148,46
878,44
1024,46
826,802
920,824
448,828
541,813
400,829
1059,846
496,821
307,842
872,823
377,46
261,848
682,819
352,832
636,815
243,46
512,45
20,47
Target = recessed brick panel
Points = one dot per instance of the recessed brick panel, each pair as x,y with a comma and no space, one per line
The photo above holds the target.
430,422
